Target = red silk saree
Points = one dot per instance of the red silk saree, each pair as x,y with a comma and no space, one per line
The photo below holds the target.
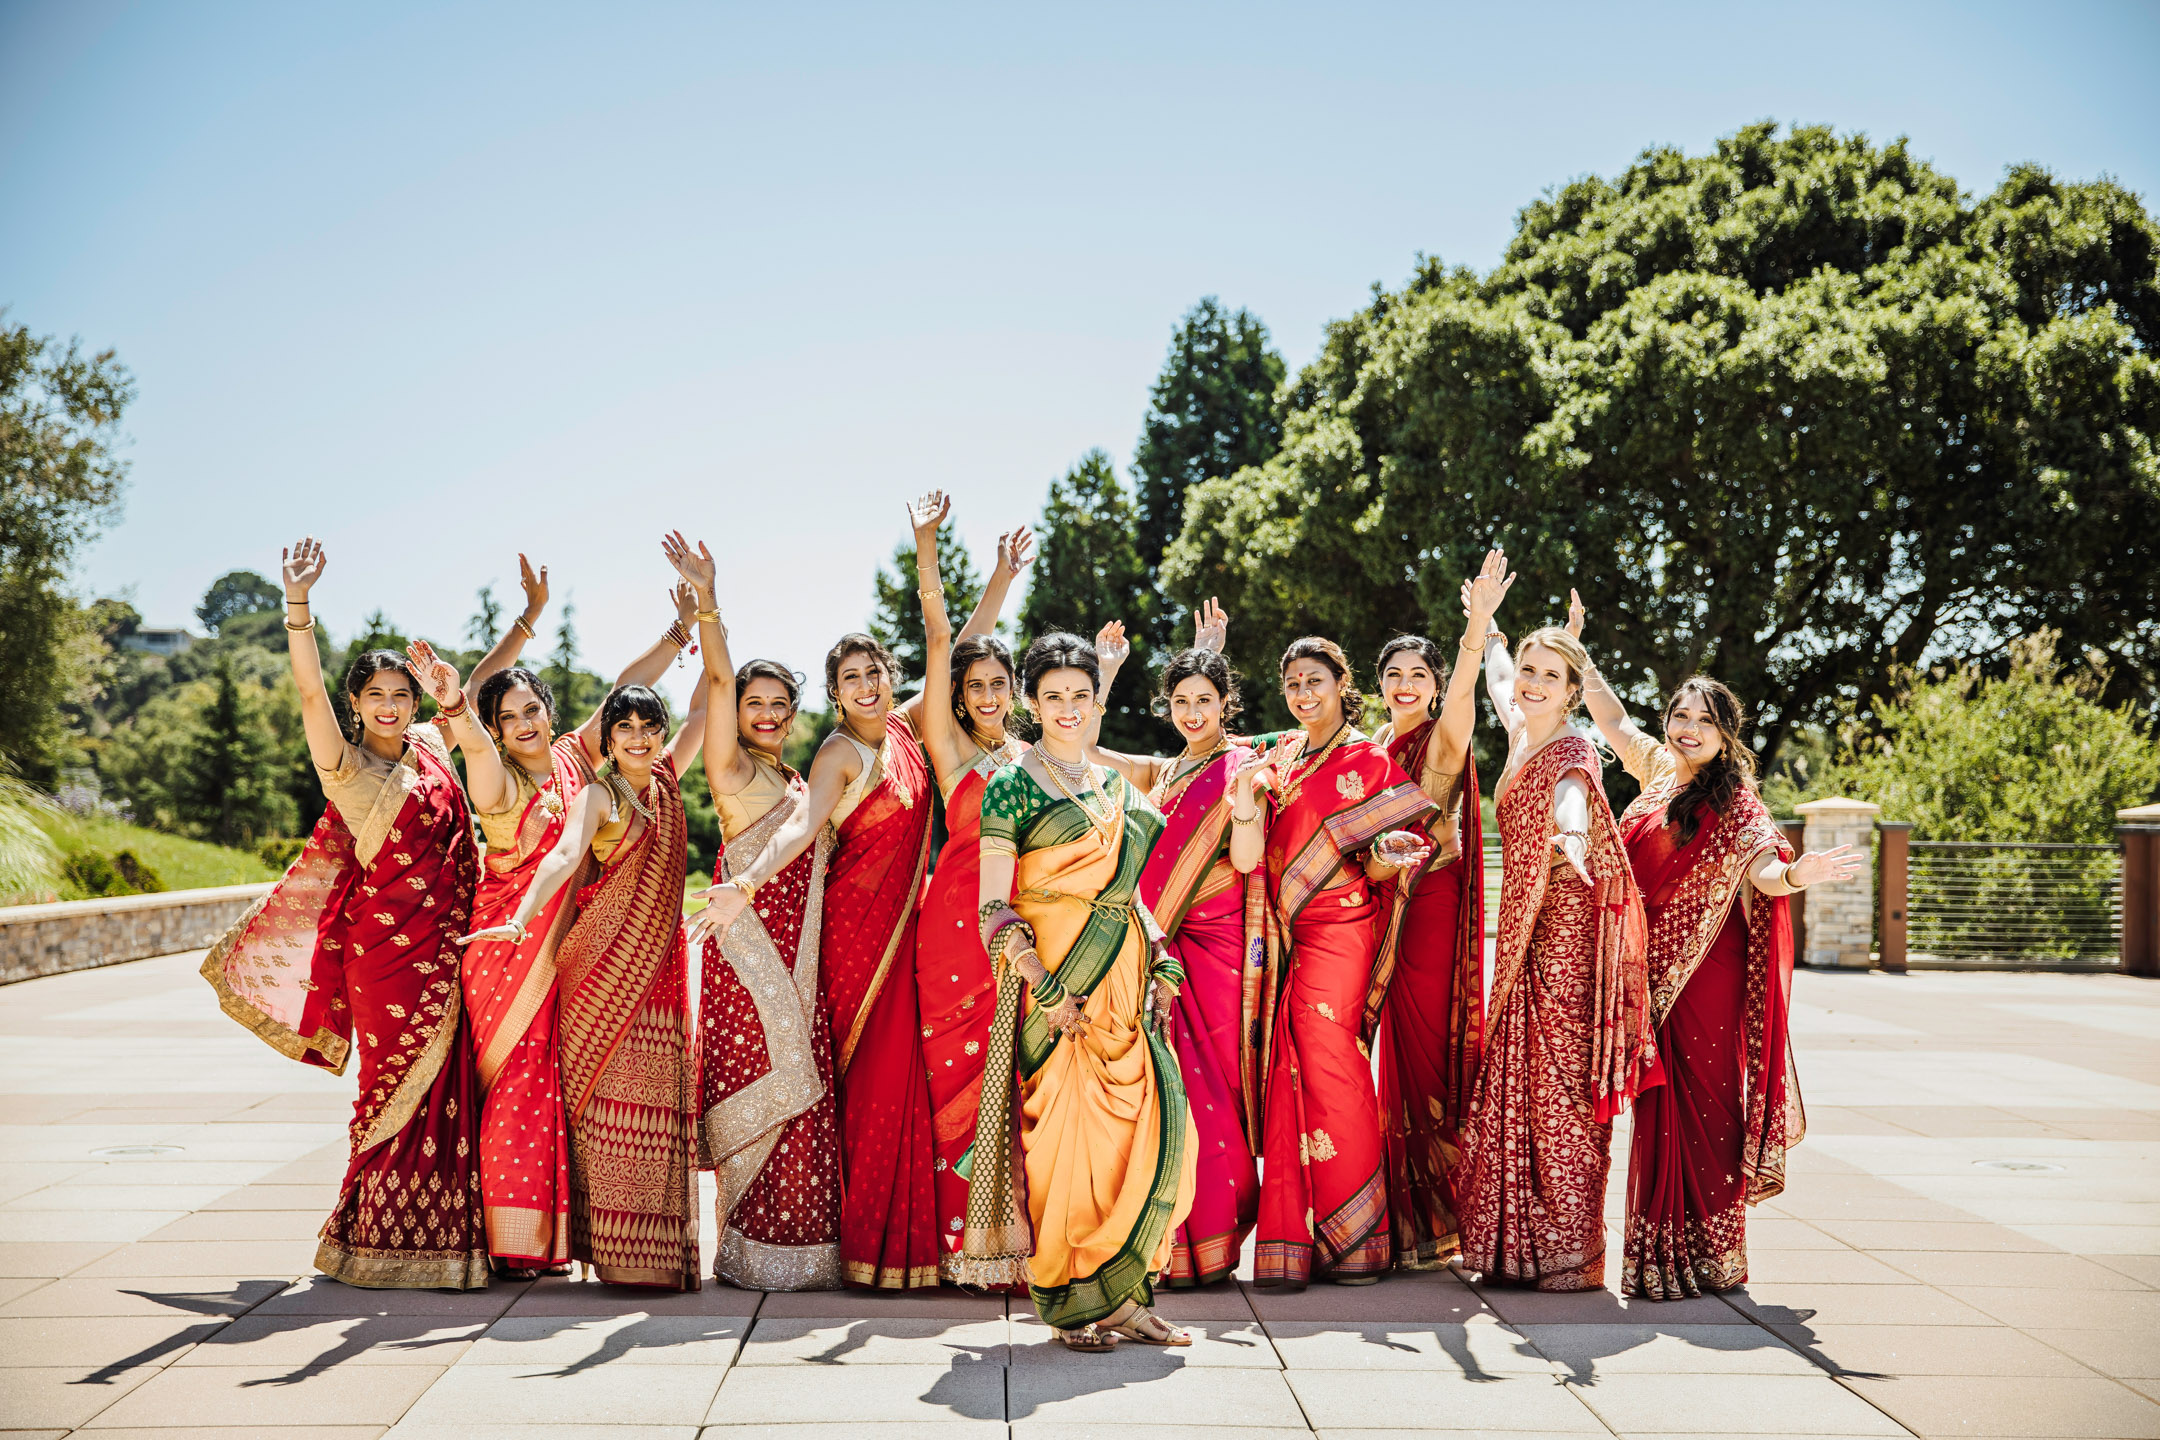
628,1083
346,948
510,1002
1201,904
1567,1042
1323,1192
767,1127
958,995
1432,1023
873,891
1711,1140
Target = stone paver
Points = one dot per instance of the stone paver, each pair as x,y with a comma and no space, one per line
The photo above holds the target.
1908,1280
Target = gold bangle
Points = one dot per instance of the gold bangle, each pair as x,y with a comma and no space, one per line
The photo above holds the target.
745,884
712,615
931,591
308,626
1252,819
521,624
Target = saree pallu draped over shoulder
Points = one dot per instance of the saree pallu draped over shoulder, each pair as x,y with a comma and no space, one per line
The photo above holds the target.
1323,1192
510,993
1214,920
873,893
347,948
627,1079
768,1128
1711,1141
1432,1024
1568,1041
1106,1139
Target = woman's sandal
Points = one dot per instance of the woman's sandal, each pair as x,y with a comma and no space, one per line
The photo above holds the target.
1145,1326
1090,1339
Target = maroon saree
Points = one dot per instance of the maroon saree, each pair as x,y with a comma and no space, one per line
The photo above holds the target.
873,889
346,948
1432,1023
1711,1141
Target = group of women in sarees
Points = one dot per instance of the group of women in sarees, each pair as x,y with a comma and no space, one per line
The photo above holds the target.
1136,1013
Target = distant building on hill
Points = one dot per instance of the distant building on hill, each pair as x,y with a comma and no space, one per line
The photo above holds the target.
157,642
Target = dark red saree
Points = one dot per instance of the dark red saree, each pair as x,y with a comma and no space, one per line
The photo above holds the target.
1711,1141
344,948
873,890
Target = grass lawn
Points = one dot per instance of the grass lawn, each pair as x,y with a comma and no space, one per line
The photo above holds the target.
181,864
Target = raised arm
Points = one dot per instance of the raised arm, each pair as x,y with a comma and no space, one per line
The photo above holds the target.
487,779
587,813
512,644
1500,682
648,667
690,739
1016,551
302,565
932,717
1449,743
835,767
1606,711
716,687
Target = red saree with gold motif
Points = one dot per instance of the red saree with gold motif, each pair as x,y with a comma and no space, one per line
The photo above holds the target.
1568,1040
1323,1189
873,891
1711,1140
345,948
768,1127
1201,903
628,1082
510,1000
1432,1023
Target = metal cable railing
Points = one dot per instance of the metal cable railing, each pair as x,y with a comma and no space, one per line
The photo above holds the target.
1979,903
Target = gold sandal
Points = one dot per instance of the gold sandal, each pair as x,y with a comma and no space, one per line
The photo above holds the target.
1131,1327
1089,1339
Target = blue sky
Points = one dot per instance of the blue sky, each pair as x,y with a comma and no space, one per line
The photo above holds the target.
440,283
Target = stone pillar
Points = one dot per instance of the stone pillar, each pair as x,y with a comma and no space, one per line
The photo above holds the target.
2139,832
1841,914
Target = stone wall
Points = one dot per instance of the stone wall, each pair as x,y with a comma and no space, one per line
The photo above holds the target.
1841,916
83,934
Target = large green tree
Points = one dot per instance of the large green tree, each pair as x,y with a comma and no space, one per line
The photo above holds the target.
1211,413
1089,571
1796,413
59,485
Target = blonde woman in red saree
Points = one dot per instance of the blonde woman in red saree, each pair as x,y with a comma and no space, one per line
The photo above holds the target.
1568,1039
1433,1018
370,911
628,1077
521,779
1332,848
1104,1134
966,742
1212,918
870,783
1715,872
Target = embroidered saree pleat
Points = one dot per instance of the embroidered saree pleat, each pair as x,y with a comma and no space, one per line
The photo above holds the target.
510,991
1200,902
1711,1140
1105,1130
343,950
958,996
768,1128
1323,1192
628,1080
1432,1027
873,890
1568,1041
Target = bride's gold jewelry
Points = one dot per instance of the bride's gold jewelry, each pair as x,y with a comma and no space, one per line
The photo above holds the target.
1104,824
522,624
712,615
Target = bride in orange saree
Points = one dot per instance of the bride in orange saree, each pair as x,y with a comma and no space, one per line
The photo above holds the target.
1333,844
871,784
1568,1041
1715,872
1105,1137
628,1078
356,941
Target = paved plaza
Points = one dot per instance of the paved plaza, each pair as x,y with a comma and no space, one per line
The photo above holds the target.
1970,1245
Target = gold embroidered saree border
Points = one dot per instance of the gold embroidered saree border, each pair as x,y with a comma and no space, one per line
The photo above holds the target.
404,1269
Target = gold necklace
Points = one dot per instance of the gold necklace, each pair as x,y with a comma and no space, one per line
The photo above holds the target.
1177,780
621,787
1103,824
1302,770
